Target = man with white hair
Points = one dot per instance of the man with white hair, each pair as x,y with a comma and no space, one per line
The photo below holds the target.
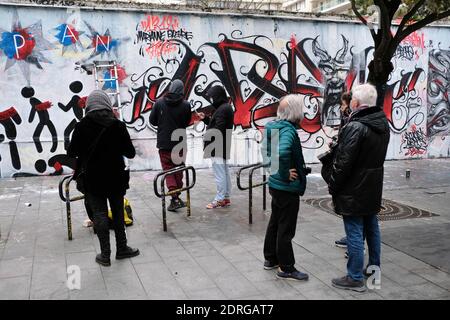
287,183
356,182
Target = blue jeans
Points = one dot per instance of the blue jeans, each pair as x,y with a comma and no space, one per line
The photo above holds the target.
355,229
222,177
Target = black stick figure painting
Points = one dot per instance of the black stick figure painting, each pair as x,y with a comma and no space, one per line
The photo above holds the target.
76,103
57,162
8,119
41,108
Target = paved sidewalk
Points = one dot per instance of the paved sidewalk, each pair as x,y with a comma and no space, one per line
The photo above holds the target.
216,254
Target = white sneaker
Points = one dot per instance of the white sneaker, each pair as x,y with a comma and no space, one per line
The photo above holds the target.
88,223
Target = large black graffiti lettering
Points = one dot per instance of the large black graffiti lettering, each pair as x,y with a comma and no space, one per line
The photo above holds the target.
150,84
76,104
8,119
41,108
402,102
438,122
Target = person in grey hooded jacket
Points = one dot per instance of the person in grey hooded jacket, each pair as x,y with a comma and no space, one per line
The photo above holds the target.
99,143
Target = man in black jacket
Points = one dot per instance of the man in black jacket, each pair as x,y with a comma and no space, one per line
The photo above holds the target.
99,143
172,115
217,143
356,182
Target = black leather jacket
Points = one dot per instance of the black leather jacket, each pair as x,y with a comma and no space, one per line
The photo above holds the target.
356,182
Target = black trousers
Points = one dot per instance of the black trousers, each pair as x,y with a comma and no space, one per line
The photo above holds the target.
98,206
281,229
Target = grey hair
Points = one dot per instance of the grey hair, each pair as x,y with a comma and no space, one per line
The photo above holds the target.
293,108
366,94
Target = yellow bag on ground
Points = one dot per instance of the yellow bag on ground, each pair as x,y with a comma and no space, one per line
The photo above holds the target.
127,213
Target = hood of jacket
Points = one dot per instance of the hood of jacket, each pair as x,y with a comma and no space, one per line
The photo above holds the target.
175,94
103,118
373,117
217,96
280,124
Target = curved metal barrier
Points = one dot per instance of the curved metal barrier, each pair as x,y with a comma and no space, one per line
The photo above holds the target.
163,194
252,168
64,194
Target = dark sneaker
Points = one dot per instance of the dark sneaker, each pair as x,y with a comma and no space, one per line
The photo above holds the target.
270,265
367,274
295,275
341,243
127,252
347,283
180,204
346,253
173,206
102,260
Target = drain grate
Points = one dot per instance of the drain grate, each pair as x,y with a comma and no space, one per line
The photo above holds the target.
390,210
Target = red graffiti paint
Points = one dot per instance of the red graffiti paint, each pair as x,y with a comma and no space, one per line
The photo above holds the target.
8,113
82,102
405,85
102,42
24,43
167,22
121,73
43,106
161,48
57,166
72,33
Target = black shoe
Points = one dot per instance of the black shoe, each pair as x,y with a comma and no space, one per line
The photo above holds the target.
341,243
367,274
127,252
104,261
173,206
181,204
295,275
347,283
270,265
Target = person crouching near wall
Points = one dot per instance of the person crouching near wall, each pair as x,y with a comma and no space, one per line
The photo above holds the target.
99,143
281,149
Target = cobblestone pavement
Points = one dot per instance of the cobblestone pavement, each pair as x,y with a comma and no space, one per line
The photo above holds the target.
216,254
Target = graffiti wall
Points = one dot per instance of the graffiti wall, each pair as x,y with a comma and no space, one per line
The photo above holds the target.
46,57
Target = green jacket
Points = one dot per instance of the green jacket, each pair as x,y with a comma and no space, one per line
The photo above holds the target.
290,156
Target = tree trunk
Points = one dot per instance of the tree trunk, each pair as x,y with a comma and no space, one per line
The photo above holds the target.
379,70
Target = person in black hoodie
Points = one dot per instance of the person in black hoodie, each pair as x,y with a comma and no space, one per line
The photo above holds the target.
172,115
356,182
217,143
99,143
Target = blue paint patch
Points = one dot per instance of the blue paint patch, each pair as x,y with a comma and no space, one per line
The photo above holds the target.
102,48
109,84
63,38
7,43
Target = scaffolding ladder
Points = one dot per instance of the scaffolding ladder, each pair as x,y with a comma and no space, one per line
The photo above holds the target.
111,67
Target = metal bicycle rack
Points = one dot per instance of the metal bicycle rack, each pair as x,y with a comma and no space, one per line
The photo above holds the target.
64,194
163,194
252,168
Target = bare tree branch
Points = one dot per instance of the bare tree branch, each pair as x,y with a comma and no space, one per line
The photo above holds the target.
385,23
420,24
409,15
363,20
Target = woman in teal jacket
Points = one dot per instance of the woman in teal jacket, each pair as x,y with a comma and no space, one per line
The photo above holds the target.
287,182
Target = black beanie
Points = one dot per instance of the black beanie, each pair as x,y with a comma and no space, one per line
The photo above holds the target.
217,96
